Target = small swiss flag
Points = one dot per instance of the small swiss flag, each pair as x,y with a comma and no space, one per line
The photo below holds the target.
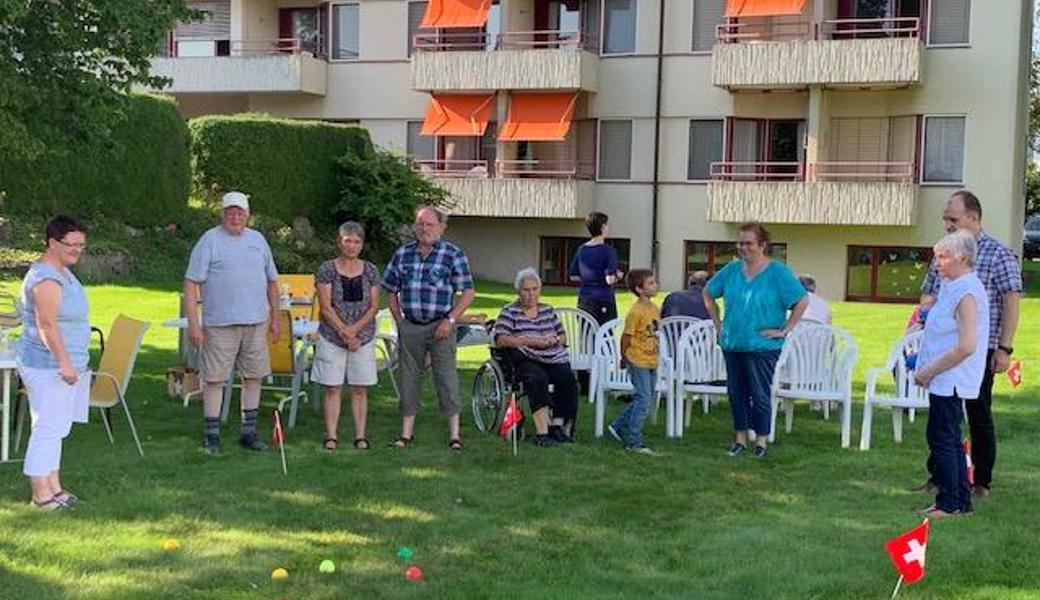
1014,373
907,552
512,418
277,435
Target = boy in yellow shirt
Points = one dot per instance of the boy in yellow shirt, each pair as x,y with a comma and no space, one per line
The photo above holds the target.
639,351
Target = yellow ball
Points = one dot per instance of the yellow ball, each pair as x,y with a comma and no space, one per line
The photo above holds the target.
171,544
279,574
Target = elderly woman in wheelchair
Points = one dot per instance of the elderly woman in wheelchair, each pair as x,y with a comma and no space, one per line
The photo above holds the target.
530,340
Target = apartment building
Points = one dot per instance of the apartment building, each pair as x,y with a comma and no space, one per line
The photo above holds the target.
842,124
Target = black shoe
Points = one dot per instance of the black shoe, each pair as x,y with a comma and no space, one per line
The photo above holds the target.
211,445
736,448
761,451
543,441
557,434
251,441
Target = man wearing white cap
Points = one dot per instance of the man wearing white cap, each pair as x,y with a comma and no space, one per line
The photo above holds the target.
234,267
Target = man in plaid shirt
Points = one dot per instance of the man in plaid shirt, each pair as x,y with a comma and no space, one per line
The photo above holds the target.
429,287
1001,273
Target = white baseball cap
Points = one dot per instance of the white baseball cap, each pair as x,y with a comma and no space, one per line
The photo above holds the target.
235,199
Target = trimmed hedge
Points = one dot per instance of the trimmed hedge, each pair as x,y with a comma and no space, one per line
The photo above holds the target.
288,168
142,177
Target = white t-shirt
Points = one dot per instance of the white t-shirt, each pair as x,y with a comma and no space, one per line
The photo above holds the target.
940,336
817,311
234,271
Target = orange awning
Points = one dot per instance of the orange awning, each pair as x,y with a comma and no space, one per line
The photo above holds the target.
458,114
763,8
538,117
447,14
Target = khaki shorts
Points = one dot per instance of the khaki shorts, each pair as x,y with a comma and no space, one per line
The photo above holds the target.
241,346
335,365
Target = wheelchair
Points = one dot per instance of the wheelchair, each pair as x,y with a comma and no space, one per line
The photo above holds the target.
493,383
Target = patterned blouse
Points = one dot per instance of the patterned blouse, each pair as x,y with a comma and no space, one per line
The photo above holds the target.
350,297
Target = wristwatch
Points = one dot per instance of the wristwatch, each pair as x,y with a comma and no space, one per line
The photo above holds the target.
1007,349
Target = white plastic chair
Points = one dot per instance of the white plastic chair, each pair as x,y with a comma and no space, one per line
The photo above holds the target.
612,379
908,395
815,364
672,329
580,328
700,368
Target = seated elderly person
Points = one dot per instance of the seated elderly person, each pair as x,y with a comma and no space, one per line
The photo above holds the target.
688,302
818,311
534,340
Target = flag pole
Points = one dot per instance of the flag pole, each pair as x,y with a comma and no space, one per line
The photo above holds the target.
281,440
899,582
515,425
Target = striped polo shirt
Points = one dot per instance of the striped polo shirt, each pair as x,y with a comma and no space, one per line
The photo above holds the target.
513,321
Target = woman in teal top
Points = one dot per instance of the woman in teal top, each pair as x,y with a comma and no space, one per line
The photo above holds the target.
53,358
758,293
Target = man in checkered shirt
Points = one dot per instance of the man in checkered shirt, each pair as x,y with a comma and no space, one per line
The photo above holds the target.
430,286
1001,273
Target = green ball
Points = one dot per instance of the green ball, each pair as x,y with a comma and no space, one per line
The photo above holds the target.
405,553
327,566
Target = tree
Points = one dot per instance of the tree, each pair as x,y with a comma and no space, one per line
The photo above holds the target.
66,66
381,191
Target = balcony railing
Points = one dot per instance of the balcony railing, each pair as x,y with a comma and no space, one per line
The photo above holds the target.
514,40
757,171
765,30
209,47
895,172
505,169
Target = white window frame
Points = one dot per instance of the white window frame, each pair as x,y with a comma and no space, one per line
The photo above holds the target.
599,145
332,31
689,124
924,151
693,23
603,32
928,28
409,51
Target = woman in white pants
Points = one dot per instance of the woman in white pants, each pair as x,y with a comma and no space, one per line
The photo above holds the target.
53,358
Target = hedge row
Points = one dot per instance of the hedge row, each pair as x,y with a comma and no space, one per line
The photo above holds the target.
142,176
286,167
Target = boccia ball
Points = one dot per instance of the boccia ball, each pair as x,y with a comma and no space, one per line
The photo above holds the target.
279,574
171,544
404,553
413,573
327,566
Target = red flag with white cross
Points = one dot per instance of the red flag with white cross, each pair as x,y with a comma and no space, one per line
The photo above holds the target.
907,552
512,418
1014,373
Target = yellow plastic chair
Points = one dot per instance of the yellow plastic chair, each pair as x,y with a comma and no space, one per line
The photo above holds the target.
112,376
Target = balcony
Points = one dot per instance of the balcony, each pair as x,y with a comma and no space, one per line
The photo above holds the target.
871,53
241,66
537,60
830,193
514,188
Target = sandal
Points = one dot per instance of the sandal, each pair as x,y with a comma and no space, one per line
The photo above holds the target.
52,504
400,442
455,445
331,443
66,497
361,443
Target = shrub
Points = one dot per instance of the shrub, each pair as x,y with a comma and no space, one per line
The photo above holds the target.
286,167
142,177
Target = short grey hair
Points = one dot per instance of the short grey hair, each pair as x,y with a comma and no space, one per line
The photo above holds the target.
352,228
808,282
960,243
442,217
523,275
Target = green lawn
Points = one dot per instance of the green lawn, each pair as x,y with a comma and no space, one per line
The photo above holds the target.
588,521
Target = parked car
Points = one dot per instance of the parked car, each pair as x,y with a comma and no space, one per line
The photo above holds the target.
1031,243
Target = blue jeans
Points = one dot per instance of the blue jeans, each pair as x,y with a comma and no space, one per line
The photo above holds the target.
629,424
749,377
947,462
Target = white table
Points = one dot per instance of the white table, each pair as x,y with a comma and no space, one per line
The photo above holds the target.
7,366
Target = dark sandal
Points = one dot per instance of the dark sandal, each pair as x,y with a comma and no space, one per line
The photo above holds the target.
331,443
67,498
361,444
52,504
400,442
455,445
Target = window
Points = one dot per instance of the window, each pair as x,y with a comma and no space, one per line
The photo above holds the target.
886,274
619,26
943,150
712,256
345,42
419,147
416,10
557,253
615,150
949,22
779,143
707,14
705,148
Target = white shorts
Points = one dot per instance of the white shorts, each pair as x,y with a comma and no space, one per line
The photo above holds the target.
334,365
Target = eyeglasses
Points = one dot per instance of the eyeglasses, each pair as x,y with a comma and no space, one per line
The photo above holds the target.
80,246
742,244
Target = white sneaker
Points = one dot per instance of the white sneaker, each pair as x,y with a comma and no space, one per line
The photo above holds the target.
641,450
